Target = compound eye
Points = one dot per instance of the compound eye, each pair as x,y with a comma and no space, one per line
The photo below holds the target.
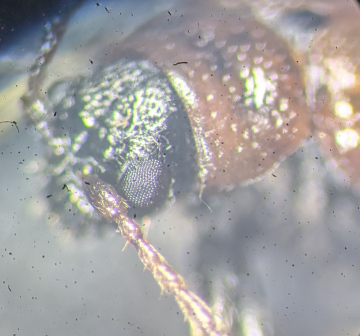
302,21
145,182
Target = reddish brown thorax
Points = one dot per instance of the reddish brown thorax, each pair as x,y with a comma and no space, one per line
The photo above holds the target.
250,96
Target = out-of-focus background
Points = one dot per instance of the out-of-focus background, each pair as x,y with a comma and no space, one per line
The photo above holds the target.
292,238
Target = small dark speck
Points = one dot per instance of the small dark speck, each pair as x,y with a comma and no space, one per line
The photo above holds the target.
107,9
183,62
65,187
169,13
316,158
9,288
97,4
48,196
87,183
274,175
91,61
55,114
